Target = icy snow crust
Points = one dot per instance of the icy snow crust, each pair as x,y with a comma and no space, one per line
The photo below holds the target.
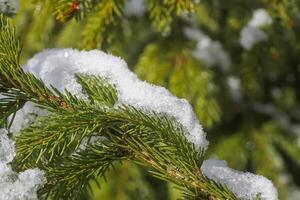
58,67
13,186
244,185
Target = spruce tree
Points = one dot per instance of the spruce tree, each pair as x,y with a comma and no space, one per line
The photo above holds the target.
236,62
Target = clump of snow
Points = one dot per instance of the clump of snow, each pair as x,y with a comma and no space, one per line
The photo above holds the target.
24,187
234,85
252,34
209,51
25,116
135,8
13,186
58,67
244,185
260,18
9,6
7,149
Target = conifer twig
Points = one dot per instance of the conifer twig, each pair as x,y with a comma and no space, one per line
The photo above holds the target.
54,143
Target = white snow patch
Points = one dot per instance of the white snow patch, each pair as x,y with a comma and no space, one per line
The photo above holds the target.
244,185
209,51
9,6
234,85
7,149
260,18
252,34
135,8
25,116
58,67
13,186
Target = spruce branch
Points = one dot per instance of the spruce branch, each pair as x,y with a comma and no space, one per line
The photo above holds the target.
151,140
10,102
47,140
26,85
181,6
106,13
102,15
98,90
162,13
72,176
78,9
67,9
148,138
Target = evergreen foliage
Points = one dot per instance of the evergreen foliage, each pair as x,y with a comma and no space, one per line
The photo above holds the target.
257,132
53,142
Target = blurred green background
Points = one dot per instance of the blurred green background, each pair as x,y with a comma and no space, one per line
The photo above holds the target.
247,99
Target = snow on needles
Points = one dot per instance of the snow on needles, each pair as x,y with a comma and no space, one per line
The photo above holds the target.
244,185
13,186
252,34
59,66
